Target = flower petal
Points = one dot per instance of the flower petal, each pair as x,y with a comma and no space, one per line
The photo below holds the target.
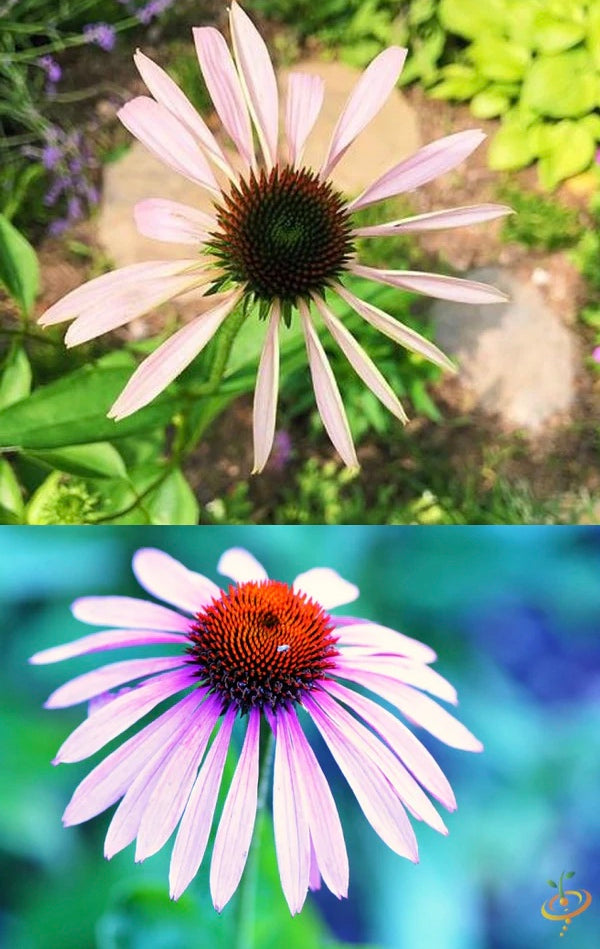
364,102
127,611
94,292
167,579
304,101
241,566
434,285
426,164
192,837
328,848
326,587
172,790
373,668
159,369
374,793
236,826
400,333
353,631
110,639
165,220
113,719
401,740
168,93
362,364
265,394
290,822
224,87
258,80
111,778
101,680
327,394
437,220
128,301
168,140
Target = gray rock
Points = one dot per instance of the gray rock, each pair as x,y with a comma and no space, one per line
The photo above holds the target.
517,358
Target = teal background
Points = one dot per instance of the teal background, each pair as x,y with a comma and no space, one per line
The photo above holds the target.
514,614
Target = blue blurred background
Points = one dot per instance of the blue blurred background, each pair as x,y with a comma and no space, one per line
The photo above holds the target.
514,614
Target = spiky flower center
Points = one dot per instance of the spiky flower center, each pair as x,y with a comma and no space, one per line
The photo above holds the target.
285,234
262,644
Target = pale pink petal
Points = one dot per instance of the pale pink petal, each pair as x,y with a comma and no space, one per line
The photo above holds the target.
224,87
110,779
101,680
166,578
109,639
328,850
194,830
239,565
434,285
114,718
258,80
365,101
165,220
168,140
437,220
168,93
236,826
314,880
304,101
378,800
401,740
129,612
327,394
172,790
265,393
326,587
128,815
362,364
353,631
390,327
130,300
396,669
159,369
427,163
95,291
370,747
290,822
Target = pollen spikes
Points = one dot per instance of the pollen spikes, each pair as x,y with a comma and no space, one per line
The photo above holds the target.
285,235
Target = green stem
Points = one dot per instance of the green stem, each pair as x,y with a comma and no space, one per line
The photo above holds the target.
245,935
223,350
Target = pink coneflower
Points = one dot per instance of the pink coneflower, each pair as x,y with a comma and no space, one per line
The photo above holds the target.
280,235
259,652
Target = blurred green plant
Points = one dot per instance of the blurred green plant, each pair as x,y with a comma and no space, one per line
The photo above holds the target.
539,222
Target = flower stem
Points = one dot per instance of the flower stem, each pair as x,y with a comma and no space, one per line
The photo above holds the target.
225,342
245,936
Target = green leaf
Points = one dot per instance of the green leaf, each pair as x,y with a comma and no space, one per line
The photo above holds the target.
99,459
554,35
472,18
552,883
15,382
12,508
572,151
592,40
488,104
19,270
458,82
570,874
72,411
173,502
561,86
499,60
510,148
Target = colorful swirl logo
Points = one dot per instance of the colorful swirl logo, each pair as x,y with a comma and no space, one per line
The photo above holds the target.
571,902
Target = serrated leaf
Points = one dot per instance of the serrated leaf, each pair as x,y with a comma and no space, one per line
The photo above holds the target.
19,269
15,382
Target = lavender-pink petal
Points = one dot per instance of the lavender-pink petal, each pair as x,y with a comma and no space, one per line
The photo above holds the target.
107,639
168,580
128,611
290,822
101,680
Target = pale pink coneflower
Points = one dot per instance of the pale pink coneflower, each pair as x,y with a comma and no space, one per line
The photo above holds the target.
273,657
280,234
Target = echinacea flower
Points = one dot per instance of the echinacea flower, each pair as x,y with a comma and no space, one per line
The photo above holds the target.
270,656
280,235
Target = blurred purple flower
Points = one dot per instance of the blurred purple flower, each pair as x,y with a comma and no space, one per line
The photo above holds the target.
58,227
153,9
51,68
51,155
596,354
101,34
282,450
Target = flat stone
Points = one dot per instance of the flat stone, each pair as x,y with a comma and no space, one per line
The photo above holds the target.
517,358
392,135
